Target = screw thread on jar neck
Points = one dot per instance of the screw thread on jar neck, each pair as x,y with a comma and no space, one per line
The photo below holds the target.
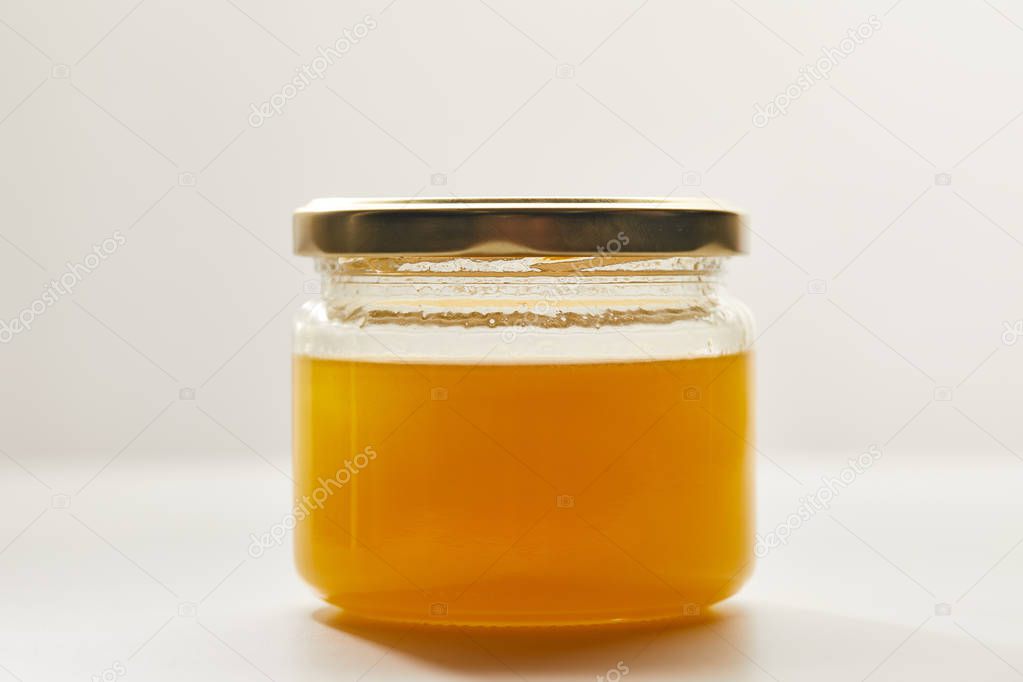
676,268
460,288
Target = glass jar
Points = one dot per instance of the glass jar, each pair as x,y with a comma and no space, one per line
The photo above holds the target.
522,412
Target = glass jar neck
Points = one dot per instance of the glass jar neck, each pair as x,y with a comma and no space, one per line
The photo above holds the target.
549,291
590,271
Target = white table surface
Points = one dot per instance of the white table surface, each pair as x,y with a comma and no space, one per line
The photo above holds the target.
145,575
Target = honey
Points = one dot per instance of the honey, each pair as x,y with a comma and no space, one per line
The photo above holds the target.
523,494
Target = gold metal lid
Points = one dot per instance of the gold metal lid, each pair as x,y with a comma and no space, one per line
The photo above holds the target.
517,227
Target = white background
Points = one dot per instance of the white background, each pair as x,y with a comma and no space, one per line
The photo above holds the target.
885,273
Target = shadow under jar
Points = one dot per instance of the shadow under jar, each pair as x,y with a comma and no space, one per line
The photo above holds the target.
522,411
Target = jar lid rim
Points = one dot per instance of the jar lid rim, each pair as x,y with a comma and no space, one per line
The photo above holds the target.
517,226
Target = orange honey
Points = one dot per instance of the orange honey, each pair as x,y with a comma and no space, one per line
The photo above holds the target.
510,494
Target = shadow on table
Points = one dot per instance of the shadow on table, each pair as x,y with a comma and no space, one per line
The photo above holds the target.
589,652
748,640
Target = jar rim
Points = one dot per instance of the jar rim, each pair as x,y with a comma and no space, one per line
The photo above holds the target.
518,226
